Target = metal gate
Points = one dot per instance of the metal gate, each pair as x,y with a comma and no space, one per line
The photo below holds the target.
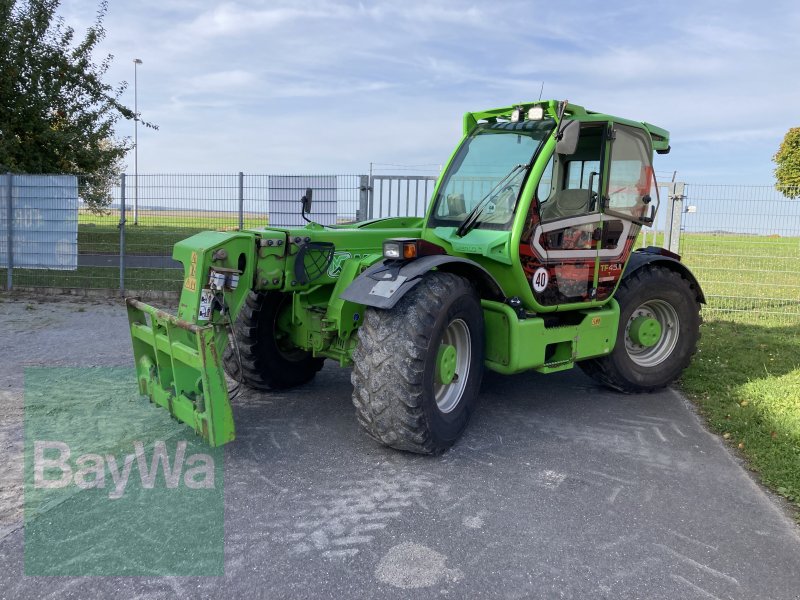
398,195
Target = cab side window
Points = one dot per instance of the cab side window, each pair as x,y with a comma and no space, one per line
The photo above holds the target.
630,176
574,176
579,173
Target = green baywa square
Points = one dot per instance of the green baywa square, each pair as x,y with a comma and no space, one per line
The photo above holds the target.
111,487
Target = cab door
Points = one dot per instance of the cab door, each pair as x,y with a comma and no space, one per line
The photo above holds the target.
559,249
628,200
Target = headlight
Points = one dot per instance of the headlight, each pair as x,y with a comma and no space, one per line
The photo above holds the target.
409,248
392,249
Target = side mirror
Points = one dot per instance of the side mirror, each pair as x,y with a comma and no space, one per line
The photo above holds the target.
306,201
568,138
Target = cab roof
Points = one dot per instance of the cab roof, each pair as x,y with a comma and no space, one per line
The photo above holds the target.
551,108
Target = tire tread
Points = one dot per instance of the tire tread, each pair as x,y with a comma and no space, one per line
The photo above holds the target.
389,362
252,337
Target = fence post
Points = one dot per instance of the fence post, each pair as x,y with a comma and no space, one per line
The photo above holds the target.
371,195
241,200
371,198
122,234
667,217
10,228
363,198
672,233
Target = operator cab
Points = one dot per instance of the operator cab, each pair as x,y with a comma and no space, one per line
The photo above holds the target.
589,206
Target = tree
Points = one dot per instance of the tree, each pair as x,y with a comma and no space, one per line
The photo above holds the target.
57,115
787,158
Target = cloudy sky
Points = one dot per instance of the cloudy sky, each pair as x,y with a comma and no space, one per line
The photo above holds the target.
328,87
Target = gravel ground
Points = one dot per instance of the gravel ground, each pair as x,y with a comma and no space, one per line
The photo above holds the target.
51,333
559,489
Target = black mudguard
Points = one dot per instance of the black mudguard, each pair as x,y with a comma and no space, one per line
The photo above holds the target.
663,258
384,283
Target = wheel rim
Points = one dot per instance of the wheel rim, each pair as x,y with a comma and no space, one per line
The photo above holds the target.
456,336
653,354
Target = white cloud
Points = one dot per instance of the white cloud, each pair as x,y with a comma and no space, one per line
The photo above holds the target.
237,19
388,81
426,13
221,81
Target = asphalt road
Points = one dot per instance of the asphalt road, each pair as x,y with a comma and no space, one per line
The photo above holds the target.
559,489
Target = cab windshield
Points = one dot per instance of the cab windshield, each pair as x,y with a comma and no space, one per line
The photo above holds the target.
486,158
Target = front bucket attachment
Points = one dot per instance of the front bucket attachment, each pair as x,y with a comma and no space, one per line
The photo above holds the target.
179,366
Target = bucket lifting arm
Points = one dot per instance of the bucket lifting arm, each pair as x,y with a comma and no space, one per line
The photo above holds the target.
179,358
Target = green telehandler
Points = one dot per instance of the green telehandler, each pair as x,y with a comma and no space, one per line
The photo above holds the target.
524,260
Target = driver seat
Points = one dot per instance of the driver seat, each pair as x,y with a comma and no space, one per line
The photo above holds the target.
566,203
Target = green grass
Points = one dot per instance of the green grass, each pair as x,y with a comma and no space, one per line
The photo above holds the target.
157,241
179,218
746,278
749,278
99,278
745,380
156,233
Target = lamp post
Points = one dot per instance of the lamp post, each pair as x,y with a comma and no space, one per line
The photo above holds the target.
136,63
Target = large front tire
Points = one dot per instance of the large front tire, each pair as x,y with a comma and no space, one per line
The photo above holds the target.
268,361
659,327
418,367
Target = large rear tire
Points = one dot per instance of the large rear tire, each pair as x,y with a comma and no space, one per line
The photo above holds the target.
658,332
268,360
418,367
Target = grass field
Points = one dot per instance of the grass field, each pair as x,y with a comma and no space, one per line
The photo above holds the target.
745,378
100,278
196,219
156,232
752,278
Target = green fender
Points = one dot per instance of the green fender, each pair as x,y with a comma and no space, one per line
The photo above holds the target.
384,283
663,258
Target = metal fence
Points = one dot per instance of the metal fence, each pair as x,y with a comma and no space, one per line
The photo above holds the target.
742,242
128,244
398,195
